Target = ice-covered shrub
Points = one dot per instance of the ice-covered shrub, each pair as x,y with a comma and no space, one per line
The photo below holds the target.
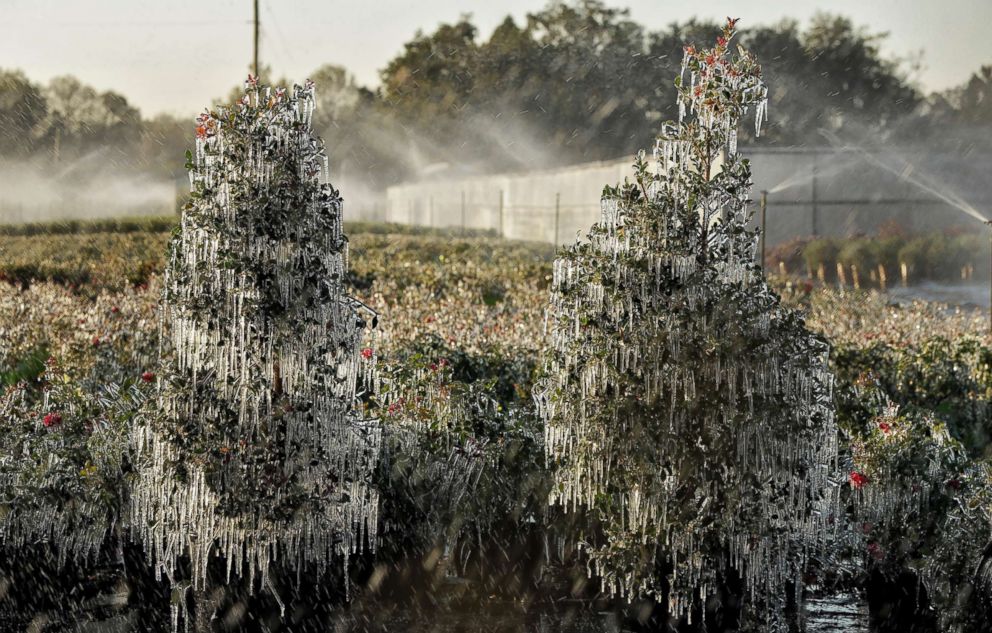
921,504
462,462
259,450
688,412
64,462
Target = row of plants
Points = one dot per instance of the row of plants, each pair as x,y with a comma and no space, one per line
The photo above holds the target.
462,322
950,256
97,256
165,224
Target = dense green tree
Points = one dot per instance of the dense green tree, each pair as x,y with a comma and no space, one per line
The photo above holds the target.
580,81
80,119
22,108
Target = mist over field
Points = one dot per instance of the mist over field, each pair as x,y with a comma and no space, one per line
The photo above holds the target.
571,83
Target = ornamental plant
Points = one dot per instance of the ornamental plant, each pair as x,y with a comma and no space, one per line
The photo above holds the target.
688,413
65,461
259,450
923,506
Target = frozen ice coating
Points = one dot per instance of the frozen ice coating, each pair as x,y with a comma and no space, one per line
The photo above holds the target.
260,451
685,408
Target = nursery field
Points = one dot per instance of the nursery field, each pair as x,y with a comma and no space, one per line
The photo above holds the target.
459,330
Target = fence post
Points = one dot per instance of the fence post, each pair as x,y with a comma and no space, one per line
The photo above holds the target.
764,228
989,224
501,233
815,219
557,213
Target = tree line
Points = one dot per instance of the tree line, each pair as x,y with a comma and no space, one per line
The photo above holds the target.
574,82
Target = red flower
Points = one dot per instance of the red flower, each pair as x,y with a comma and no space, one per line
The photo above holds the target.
115,310
884,426
698,91
252,80
201,131
393,408
875,551
858,479
148,376
710,59
96,340
721,41
52,419
367,353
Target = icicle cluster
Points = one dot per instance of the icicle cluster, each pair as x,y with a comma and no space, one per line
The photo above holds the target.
686,410
259,451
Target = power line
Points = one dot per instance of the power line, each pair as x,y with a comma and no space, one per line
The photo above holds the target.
155,23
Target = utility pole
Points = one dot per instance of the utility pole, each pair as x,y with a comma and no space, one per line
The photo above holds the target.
255,47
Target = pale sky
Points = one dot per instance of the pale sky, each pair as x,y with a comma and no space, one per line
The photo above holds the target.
178,55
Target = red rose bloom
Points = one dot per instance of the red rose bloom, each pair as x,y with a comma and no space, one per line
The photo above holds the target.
367,353
52,419
148,376
875,551
885,427
858,479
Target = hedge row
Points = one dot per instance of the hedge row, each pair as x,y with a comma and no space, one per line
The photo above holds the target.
934,257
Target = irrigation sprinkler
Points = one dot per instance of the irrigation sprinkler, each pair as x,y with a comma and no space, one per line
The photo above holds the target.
764,226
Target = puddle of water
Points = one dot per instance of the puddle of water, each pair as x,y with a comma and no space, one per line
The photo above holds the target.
965,295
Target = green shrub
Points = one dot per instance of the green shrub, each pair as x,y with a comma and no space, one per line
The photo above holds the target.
822,251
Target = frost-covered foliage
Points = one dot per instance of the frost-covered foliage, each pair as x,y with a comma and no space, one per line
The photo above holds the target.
920,503
462,460
687,411
65,457
259,450
79,374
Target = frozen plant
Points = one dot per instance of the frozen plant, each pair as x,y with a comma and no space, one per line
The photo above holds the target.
259,450
64,462
687,412
920,503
